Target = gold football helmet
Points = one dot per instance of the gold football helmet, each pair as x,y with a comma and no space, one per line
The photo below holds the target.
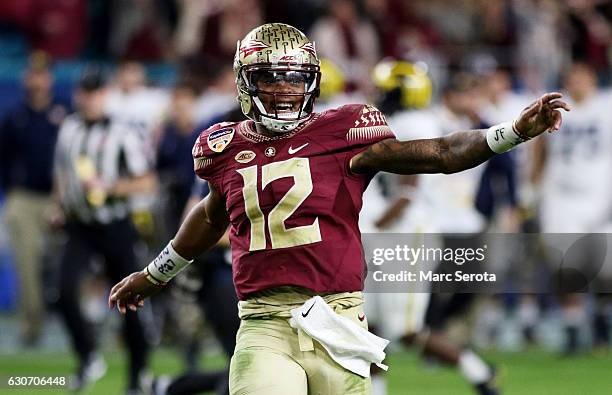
272,54
333,81
409,79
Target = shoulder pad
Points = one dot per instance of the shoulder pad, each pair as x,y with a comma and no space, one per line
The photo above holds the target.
356,116
365,116
360,123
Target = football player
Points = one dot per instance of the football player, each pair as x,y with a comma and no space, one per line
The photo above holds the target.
288,184
570,170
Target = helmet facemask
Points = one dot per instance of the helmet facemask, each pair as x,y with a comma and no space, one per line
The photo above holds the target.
288,92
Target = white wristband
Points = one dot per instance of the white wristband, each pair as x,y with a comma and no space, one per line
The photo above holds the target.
503,137
167,265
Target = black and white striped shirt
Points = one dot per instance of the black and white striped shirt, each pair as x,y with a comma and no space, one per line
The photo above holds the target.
107,149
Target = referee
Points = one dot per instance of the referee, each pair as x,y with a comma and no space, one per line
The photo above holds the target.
98,165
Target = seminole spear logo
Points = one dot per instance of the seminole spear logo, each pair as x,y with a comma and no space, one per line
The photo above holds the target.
253,46
310,48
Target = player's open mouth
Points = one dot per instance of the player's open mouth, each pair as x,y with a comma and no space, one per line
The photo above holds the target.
285,107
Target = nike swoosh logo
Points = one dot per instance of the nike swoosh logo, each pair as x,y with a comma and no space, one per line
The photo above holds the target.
293,151
308,311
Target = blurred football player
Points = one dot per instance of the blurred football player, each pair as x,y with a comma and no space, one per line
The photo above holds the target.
130,100
518,212
288,184
98,165
403,204
574,199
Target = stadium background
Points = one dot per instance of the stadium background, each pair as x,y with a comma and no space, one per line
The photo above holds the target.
192,42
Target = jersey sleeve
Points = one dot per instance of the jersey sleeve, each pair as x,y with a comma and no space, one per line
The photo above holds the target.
208,152
366,125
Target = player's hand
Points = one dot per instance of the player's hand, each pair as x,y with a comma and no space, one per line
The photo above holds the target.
131,292
541,116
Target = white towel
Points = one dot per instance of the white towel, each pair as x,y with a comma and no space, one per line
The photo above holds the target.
351,346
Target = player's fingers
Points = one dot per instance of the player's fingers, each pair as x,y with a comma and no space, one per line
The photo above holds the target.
554,121
560,104
119,284
114,292
112,298
557,119
129,301
533,109
121,306
550,96
119,292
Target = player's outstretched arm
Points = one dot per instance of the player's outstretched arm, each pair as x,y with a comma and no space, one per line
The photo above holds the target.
461,150
202,228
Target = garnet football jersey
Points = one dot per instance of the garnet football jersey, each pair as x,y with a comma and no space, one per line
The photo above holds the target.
292,201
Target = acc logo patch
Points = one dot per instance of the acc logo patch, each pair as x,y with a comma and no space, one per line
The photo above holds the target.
217,141
245,156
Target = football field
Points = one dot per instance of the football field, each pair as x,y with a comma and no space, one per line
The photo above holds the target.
525,373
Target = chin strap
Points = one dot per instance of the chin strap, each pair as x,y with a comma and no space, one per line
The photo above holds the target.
279,125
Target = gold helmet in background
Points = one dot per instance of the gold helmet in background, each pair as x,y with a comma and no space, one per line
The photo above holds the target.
274,52
409,80
333,81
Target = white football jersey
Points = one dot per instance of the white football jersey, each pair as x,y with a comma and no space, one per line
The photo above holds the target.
507,108
440,203
407,125
455,194
212,104
144,108
576,186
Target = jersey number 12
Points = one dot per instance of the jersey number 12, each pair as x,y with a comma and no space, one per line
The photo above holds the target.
280,236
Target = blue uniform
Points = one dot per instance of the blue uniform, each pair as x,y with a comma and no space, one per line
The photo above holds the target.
27,141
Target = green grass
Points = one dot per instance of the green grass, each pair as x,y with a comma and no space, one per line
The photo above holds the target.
164,362
525,373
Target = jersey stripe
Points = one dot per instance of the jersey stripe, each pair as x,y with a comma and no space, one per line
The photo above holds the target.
369,133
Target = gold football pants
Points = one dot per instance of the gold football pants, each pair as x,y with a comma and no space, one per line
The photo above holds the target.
272,358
